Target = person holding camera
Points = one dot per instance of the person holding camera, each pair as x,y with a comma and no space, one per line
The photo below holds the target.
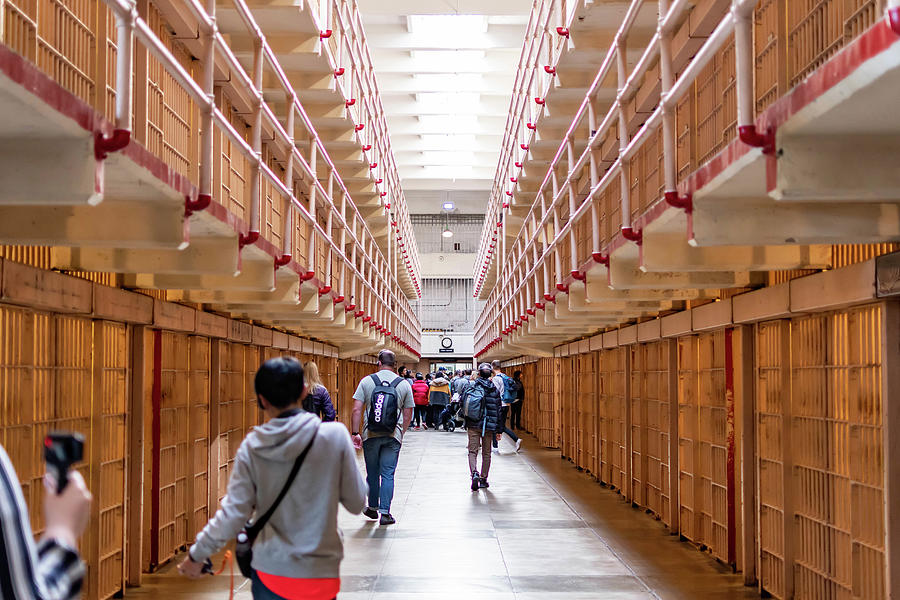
298,551
51,569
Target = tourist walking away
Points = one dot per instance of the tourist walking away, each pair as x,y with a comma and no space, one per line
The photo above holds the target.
296,469
52,567
383,402
507,388
438,398
481,409
318,400
420,398
515,409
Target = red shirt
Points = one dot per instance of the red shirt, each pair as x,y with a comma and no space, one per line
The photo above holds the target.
294,588
420,392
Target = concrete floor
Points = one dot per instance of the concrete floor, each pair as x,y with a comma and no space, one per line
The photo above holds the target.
543,531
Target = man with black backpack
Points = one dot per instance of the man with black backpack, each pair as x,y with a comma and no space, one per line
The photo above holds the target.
509,393
384,403
481,408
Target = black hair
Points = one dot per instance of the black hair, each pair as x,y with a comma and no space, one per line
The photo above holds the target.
419,376
468,372
280,381
387,358
517,374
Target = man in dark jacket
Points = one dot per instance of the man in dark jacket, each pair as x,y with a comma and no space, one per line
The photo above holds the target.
483,423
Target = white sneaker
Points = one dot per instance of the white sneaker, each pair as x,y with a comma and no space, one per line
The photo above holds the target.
495,450
518,444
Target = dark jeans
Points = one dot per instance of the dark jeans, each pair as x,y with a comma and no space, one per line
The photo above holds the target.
261,592
381,455
434,415
421,414
515,419
504,411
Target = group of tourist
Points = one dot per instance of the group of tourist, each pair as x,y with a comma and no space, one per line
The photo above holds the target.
293,549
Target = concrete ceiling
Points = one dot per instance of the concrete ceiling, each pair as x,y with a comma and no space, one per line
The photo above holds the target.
445,70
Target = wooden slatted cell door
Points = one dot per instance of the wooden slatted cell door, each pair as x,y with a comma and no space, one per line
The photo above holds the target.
566,385
171,432
689,458
253,357
112,365
613,412
199,394
637,422
231,409
837,455
713,472
656,395
772,398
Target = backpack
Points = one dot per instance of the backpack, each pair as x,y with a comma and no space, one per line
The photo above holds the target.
510,389
384,408
475,399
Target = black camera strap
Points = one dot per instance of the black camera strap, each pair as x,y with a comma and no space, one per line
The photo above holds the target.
253,530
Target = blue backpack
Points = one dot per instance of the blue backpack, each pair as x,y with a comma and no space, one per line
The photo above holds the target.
384,409
510,389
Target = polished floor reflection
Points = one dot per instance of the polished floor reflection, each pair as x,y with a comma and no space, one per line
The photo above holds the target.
543,531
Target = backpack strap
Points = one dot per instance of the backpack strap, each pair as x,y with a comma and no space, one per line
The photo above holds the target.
397,382
253,530
376,379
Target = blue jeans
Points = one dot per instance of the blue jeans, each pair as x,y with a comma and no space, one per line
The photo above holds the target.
381,454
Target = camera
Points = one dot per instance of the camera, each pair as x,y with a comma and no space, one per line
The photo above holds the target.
62,450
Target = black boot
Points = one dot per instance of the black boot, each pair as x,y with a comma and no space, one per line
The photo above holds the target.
475,480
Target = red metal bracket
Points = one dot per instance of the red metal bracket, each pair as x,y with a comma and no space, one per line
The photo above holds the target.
632,235
373,165
894,19
324,35
359,313
366,319
387,205
282,260
601,258
579,276
685,202
509,193
540,101
539,305
350,102
514,180
201,203
250,238
339,71
367,147
561,287
383,194
549,70
360,127
324,290
308,275
524,147
518,165
530,311
379,181
563,31
104,145
531,126
351,307
751,137
338,299
506,204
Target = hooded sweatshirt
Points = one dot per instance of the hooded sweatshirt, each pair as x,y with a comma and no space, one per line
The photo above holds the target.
302,539
439,395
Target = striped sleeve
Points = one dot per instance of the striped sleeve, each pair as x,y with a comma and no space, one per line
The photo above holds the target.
48,571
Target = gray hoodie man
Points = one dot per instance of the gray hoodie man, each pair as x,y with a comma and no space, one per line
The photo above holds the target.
301,539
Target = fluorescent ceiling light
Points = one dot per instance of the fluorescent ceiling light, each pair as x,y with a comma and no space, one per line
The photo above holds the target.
447,233
448,206
446,26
